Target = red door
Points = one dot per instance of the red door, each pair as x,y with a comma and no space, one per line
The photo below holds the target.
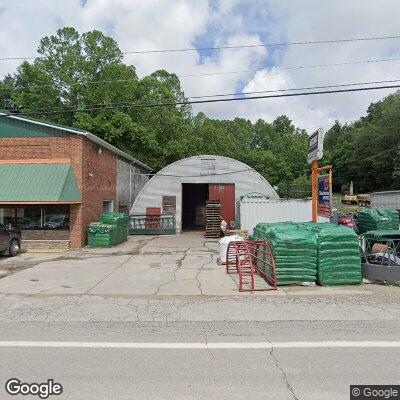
153,215
225,193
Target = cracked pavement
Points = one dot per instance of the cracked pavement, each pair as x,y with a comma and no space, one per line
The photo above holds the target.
170,289
177,265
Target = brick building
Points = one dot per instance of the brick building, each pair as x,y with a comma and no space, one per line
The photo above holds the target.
55,180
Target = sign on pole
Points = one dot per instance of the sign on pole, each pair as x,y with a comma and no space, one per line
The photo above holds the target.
315,146
324,196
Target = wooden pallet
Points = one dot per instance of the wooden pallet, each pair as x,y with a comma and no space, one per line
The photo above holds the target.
213,219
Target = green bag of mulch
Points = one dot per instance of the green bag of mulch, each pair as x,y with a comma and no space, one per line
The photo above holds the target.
339,261
295,251
371,219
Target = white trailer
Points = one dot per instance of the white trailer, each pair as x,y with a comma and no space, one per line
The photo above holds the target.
253,212
390,199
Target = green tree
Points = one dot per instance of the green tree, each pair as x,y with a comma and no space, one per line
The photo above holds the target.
82,80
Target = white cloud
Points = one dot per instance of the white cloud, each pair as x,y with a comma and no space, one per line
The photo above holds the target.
161,24
310,20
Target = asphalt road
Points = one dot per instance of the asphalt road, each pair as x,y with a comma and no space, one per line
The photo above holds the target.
205,346
203,374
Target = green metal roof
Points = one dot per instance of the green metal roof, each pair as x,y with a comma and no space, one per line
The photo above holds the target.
38,183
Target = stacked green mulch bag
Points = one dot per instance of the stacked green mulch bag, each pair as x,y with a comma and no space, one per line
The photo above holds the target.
309,252
371,219
120,220
393,215
111,229
295,251
339,261
102,235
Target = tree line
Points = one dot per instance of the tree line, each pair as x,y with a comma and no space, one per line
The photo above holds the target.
80,80
367,151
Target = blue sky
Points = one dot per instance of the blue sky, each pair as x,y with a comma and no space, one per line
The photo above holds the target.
163,24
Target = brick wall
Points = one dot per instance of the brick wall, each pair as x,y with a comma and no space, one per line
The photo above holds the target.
35,147
95,173
98,182
38,234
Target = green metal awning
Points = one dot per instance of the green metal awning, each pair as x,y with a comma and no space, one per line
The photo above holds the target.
38,183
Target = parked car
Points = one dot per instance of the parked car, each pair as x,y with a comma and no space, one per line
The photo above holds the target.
56,221
10,240
346,220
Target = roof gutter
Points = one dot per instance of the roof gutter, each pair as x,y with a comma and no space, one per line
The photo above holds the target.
89,135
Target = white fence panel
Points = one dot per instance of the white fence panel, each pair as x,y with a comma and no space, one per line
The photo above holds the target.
252,213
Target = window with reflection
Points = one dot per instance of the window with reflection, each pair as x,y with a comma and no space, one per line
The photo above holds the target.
29,218
56,217
34,217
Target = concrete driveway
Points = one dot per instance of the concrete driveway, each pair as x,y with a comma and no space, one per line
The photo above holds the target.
176,265
144,265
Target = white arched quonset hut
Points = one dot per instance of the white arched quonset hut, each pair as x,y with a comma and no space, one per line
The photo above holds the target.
182,188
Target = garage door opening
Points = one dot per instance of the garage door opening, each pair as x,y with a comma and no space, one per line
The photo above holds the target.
194,198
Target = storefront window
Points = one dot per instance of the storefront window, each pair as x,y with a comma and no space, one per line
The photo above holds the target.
29,218
7,216
36,217
56,217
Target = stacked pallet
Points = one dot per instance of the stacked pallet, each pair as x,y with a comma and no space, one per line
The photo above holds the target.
111,229
294,248
213,219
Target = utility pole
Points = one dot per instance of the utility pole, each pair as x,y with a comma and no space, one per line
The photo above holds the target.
314,190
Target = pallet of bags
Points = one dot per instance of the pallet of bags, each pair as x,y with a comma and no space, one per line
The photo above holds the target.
295,251
339,261
393,215
372,219
121,223
102,235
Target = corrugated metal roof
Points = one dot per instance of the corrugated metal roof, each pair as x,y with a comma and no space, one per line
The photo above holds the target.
38,183
77,131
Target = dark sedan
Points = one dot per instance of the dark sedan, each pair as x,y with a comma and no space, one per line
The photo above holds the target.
10,240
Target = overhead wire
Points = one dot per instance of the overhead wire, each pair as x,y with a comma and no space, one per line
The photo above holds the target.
296,89
178,103
190,49
243,93
291,67
306,42
233,72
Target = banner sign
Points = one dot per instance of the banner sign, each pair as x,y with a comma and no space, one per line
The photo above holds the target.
253,197
315,146
324,196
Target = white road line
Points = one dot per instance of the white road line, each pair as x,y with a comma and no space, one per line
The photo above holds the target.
204,345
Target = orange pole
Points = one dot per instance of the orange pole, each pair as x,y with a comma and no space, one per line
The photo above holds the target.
325,168
314,190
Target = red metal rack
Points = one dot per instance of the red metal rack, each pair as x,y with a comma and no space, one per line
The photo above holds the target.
247,258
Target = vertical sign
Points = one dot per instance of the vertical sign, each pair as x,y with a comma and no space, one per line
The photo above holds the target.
324,196
315,146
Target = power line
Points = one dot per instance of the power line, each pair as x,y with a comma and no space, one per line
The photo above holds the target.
292,67
189,49
379,60
296,89
151,105
307,42
239,94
